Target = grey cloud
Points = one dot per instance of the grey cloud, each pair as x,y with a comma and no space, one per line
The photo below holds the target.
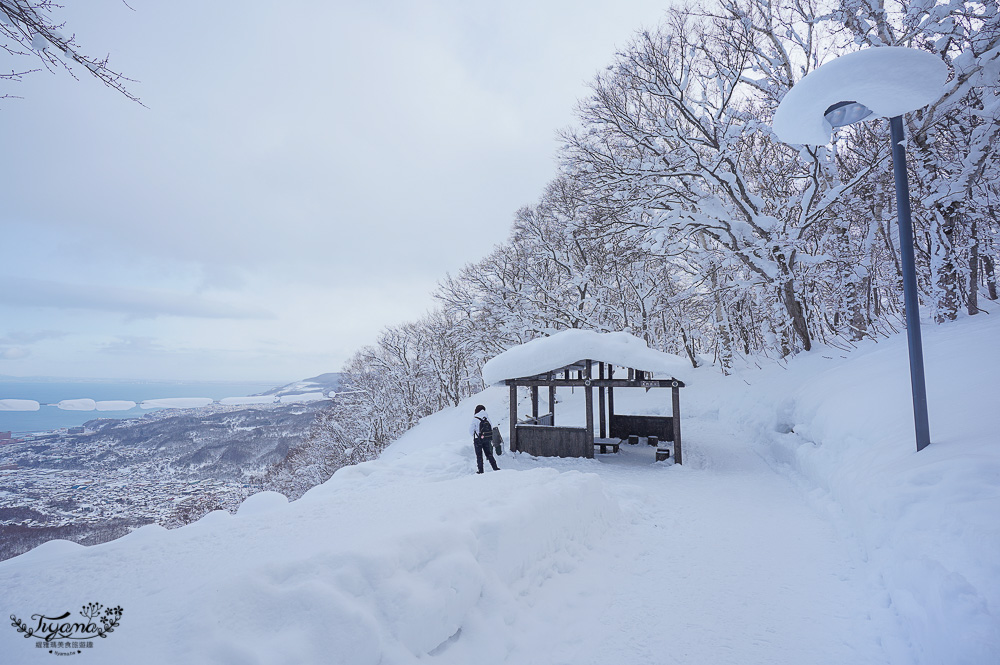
15,345
143,345
139,303
30,337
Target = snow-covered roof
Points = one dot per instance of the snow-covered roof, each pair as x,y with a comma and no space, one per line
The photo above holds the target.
889,80
569,346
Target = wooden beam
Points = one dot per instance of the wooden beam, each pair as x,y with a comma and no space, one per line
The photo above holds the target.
552,402
597,383
534,402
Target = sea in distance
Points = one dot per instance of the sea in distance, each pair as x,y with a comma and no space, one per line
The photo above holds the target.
50,392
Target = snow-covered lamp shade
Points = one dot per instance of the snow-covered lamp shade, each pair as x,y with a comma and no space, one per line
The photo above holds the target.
888,81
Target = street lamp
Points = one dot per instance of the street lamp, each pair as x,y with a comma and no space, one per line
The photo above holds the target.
879,82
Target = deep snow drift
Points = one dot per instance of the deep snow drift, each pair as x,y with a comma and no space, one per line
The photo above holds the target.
803,528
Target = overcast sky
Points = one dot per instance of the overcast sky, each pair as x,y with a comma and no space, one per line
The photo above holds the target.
303,174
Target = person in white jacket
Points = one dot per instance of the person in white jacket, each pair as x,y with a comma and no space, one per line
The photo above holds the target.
482,437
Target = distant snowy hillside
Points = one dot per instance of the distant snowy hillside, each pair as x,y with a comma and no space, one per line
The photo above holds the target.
803,528
169,467
322,383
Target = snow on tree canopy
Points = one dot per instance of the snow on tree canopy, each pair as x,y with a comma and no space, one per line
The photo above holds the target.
569,346
889,80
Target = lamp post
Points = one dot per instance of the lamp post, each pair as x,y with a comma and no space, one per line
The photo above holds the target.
891,81
842,114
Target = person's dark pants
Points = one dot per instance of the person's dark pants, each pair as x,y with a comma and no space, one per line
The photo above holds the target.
484,446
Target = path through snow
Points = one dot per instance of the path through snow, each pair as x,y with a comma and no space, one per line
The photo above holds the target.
720,561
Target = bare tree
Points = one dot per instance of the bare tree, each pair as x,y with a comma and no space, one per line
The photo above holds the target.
30,32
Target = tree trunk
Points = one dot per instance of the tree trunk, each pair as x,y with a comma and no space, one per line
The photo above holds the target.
859,299
794,309
991,278
689,349
724,339
973,304
944,269
987,256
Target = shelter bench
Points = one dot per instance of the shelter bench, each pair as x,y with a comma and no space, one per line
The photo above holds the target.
608,443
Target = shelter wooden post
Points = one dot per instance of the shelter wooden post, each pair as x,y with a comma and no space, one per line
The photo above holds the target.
513,418
534,403
589,391
676,413
552,398
600,401
611,393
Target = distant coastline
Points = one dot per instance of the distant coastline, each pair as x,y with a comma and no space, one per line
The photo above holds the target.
52,391
170,468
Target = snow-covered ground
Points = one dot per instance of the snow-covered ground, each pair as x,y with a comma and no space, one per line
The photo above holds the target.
802,528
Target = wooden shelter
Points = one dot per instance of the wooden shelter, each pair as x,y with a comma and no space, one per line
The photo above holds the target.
544,366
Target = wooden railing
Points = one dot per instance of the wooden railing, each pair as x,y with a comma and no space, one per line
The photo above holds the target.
551,441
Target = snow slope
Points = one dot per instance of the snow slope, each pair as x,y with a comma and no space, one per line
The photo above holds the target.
803,528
